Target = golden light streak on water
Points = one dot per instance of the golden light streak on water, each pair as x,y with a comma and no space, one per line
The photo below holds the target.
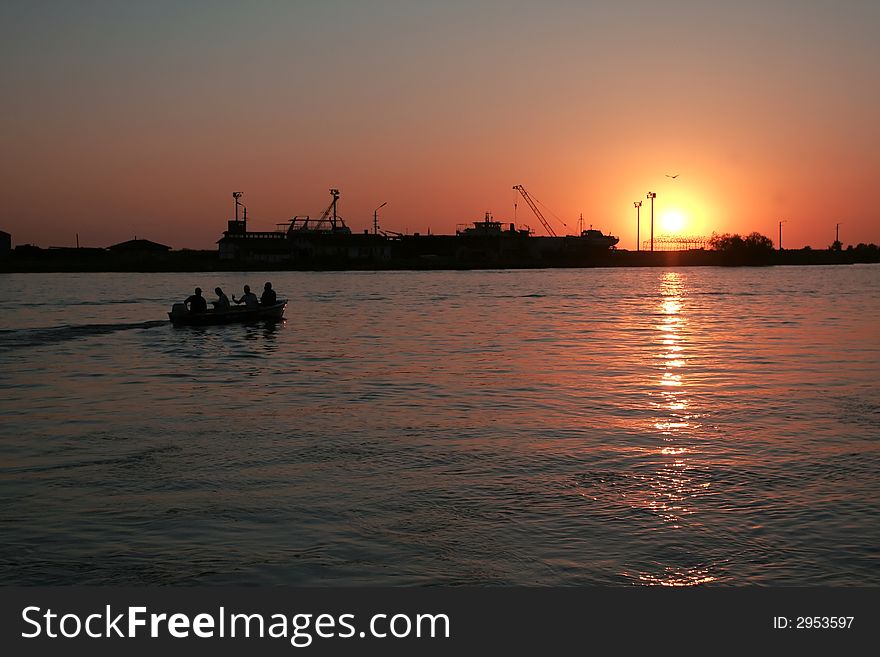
673,577
670,488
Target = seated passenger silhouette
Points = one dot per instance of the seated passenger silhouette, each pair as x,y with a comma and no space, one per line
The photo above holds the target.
222,302
196,302
268,298
249,299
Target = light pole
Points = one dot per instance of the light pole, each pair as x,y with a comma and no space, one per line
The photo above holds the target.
652,196
376,218
637,205
236,196
780,233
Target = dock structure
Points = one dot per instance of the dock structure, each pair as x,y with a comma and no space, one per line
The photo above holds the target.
677,243
327,241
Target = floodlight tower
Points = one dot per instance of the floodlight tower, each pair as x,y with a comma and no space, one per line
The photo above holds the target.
637,205
652,196
236,196
376,218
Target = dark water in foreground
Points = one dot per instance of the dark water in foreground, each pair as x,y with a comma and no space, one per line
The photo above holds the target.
572,427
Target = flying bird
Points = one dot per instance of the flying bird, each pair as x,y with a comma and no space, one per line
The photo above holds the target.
675,176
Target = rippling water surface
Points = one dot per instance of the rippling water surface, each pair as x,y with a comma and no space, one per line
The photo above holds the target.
566,427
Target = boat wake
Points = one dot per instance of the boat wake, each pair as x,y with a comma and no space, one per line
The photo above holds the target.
87,302
14,339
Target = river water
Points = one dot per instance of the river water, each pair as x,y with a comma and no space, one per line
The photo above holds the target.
567,427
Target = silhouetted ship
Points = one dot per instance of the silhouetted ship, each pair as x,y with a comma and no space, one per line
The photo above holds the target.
596,238
488,227
590,238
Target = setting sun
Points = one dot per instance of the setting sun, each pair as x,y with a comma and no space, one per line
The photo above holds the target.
672,221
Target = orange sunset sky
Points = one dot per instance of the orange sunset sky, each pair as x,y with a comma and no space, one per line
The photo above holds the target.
124,118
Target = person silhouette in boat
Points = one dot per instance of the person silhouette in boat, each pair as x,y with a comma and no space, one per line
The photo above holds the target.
222,302
249,299
196,302
268,298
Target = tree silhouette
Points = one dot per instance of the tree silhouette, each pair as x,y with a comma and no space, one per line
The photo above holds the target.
753,243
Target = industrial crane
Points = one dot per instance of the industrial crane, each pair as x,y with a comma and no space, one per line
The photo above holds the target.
530,201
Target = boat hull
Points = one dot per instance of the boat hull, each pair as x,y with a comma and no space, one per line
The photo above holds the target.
236,315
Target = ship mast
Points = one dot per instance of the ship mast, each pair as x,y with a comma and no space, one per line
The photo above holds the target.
335,193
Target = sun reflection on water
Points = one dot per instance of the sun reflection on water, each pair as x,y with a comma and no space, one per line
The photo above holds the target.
678,577
671,327
669,489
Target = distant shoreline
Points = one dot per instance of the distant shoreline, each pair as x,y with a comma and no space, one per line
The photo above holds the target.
90,260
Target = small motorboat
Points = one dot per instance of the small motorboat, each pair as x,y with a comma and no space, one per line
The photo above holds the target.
180,316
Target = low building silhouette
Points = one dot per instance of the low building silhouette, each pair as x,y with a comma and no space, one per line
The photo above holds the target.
5,244
139,247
